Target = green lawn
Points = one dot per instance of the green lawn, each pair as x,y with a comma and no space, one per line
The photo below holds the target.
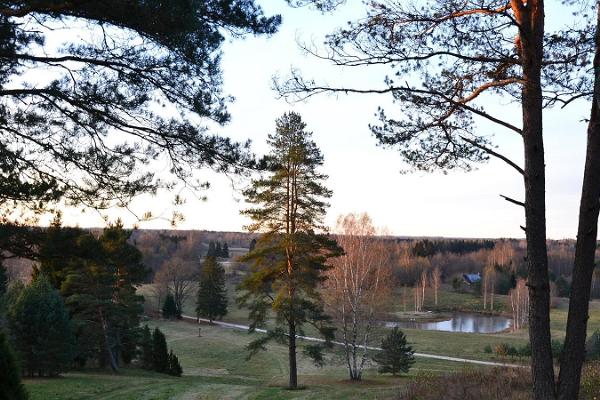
215,367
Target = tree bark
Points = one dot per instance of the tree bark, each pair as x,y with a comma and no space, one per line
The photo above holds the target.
293,384
530,16
111,356
585,251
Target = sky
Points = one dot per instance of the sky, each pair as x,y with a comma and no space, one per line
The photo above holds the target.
363,176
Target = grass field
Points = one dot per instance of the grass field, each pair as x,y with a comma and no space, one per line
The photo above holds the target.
465,345
215,367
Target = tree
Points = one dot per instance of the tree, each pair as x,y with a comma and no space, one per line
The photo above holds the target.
212,292
174,366
169,309
436,282
43,332
218,250
179,277
225,251
396,356
357,286
84,133
160,355
211,250
456,52
10,374
290,255
146,352
3,280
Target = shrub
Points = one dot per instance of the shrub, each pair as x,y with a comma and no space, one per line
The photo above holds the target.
592,346
501,350
487,349
174,366
590,382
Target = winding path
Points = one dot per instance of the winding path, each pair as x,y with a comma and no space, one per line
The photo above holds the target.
314,339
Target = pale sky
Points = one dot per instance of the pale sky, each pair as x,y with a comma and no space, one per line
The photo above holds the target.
364,177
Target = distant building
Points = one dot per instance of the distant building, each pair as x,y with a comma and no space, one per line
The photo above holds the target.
472,278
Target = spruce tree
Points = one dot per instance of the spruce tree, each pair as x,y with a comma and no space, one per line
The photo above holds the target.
11,387
396,356
225,251
43,332
160,355
146,353
218,250
289,258
211,250
174,366
169,309
212,293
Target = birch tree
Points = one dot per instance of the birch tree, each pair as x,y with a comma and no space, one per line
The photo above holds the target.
358,286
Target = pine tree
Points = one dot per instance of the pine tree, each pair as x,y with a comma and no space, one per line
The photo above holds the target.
289,258
252,245
146,353
218,250
11,387
212,293
43,332
169,309
174,366
396,355
160,355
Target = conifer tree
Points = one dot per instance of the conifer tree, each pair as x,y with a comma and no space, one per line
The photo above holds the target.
211,250
225,251
174,366
169,309
42,329
218,250
396,355
146,353
11,387
160,355
212,293
289,258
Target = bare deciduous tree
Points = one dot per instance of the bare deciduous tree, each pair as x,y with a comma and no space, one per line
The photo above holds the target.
357,286
180,277
436,282
519,302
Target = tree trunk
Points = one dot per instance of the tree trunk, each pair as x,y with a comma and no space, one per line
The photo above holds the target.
587,232
531,19
111,357
292,356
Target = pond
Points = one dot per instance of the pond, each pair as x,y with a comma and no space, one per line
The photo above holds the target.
459,322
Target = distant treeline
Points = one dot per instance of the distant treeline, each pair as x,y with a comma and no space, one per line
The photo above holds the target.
429,248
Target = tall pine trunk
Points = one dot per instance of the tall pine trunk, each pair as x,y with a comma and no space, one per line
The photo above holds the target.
531,19
109,352
293,384
574,349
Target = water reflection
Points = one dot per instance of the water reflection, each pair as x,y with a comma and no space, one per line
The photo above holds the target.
459,322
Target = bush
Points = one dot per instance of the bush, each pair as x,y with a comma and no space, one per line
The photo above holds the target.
487,349
592,346
525,350
501,350
174,366
557,347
